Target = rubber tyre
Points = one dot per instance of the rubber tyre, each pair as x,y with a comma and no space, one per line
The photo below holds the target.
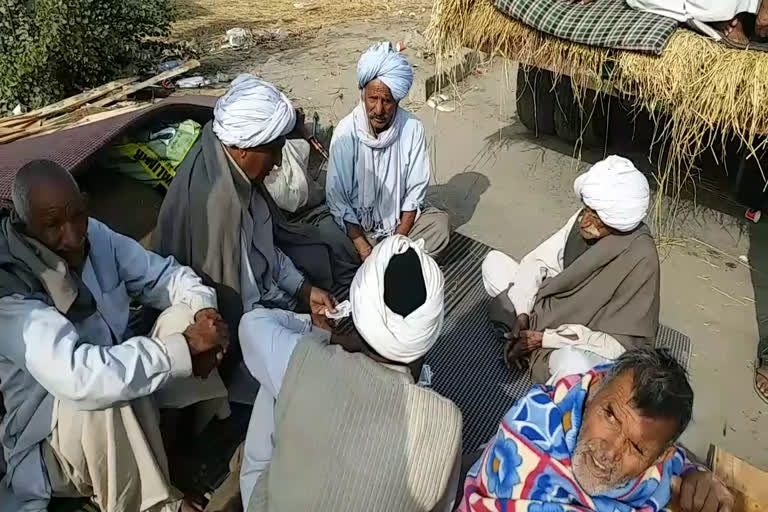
535,100
571,123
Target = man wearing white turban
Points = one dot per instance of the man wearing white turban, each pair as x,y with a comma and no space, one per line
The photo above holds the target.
330,405
219,219
590,291
379,168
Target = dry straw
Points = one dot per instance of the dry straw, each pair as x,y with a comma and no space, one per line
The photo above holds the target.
697,92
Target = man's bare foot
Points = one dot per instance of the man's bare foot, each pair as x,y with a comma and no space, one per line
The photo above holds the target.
734,31
761,381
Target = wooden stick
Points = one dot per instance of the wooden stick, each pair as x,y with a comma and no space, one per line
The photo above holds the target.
146,83
55,127
69,103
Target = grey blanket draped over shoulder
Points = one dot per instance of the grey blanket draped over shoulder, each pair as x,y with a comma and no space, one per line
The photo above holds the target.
31,270
199,224
612,287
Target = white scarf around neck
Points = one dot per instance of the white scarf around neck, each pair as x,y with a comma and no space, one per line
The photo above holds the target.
378,173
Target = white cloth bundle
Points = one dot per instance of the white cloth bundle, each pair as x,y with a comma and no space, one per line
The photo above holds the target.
396,338
382,61
252,113
617,191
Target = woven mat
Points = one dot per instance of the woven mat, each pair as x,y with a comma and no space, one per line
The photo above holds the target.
604,23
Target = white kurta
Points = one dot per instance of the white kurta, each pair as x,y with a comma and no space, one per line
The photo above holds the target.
401,178
522,281
707,11
45,357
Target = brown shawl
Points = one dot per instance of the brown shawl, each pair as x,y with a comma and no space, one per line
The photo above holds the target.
611,287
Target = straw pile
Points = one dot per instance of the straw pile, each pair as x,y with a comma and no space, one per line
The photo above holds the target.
705,91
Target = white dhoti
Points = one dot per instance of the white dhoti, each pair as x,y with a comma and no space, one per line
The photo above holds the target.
499,271
267,357
208,396
114,456
707,11
572,361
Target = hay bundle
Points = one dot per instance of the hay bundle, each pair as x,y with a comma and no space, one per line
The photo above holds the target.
704,90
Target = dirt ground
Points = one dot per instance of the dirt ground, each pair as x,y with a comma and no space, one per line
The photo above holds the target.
510,190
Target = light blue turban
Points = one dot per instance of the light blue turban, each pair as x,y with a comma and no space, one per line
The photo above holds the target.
382,61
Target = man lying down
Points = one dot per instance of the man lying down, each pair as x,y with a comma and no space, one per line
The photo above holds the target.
590,291
338,423
598,442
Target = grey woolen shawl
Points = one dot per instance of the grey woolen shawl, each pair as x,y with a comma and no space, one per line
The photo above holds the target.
199,224
611,287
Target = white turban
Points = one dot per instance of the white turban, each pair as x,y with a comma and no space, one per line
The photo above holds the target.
252,113
617,191
396,338
388,65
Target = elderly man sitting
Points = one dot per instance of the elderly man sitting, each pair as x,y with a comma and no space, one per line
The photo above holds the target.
81,399
349,428
379,169
589,292
219,219
599,442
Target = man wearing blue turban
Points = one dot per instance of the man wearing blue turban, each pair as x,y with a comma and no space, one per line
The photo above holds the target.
379,169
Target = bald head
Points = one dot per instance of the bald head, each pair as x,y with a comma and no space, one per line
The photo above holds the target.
48,201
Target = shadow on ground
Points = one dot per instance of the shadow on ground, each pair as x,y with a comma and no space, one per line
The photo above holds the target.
460,196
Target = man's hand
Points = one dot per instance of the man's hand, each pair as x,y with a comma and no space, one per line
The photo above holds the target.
522,323
364,249
702,491
322,322
517,349
321,301
407,220
208,341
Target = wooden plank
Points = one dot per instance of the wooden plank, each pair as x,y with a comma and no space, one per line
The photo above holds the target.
69,103
55,127
749,484
146,83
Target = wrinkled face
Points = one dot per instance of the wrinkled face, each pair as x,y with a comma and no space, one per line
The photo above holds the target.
258,162
58,218
590,225
616,443
380,106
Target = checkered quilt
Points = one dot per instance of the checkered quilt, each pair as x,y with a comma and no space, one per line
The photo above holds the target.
604,23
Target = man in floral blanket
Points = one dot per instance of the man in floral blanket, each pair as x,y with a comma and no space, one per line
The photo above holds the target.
602,441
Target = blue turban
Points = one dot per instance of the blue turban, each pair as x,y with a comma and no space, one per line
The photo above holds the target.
388,65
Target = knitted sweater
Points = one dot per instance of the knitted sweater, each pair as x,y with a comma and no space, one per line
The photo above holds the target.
352,434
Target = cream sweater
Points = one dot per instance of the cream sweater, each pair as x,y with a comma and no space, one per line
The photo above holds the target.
355,435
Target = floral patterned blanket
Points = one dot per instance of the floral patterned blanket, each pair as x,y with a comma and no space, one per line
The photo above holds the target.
527,467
